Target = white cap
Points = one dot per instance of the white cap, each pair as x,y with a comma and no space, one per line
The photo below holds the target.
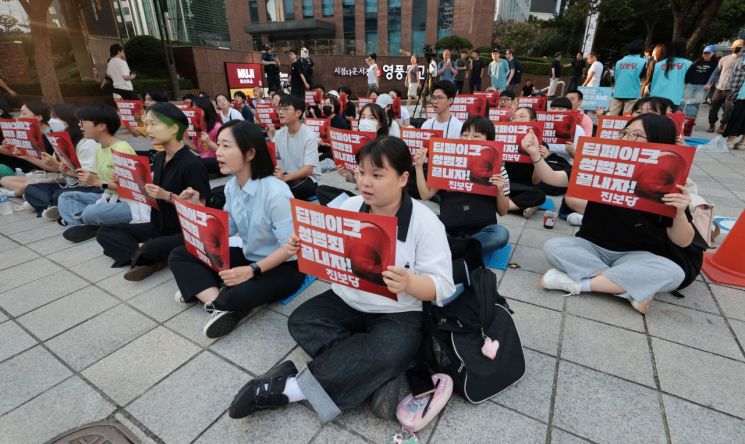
384,100
334,93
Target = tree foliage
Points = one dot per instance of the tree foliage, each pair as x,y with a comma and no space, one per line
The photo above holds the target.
453,43
532,38
145,56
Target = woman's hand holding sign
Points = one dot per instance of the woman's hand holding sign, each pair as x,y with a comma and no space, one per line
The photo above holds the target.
157,192
237,275
420,157
191,195
396,279
531,145
679,201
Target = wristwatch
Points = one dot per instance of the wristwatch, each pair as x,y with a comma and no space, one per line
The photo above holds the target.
104,185
256,269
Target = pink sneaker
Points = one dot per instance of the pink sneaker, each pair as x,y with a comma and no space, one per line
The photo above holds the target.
411,412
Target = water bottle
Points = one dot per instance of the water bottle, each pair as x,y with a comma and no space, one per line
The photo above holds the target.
19,172
5,207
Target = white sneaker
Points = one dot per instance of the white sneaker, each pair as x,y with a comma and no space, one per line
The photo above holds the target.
558,280
51,213
25,206
575,219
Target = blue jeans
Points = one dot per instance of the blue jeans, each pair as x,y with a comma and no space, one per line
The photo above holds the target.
76,208
694,96
492,237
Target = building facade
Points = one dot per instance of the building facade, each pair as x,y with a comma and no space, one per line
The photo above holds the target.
512,10
386,27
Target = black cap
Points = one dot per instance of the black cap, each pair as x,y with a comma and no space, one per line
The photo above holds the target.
496,50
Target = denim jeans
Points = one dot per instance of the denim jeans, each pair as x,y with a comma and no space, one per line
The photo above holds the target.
354,353
492,237
43,195
76,208
694,96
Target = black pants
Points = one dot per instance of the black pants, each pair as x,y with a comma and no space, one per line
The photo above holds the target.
354,353
526,196
718,101
475,84
121,242
44,195
126,94
193,277
459,85
303,188
273,82
13,163
573,83
328,193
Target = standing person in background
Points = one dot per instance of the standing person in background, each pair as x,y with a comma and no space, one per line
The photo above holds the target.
736,125
499,70
578,68
696,79
668,80
722,80
555,75
412,81
307,64
7,88
271,68
118,70
595,72
461,65
515,72
476,65
658,53
629,73
445,69
372,73
298,82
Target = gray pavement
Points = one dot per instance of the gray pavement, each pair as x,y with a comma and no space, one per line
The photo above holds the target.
80,344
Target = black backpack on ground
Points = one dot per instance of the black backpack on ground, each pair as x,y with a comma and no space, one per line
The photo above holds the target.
455,333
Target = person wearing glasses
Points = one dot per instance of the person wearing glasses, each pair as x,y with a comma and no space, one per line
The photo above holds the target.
629,253
443,95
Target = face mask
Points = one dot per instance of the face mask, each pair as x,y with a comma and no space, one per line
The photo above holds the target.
368,125
737,49
327,110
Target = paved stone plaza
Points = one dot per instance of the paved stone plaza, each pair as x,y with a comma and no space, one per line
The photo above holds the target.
80,344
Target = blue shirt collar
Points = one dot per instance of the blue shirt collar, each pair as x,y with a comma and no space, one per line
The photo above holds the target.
250,187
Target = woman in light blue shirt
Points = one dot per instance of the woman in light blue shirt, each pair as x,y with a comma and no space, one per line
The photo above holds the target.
669,76
258,205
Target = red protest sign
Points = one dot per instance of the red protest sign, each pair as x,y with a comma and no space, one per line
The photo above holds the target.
313,97
133,173
500,114
416,138
491,98
272,148
345,247
559,126
320,127
610,127
429,112
629,174
464,165
468,104
345,144
130,112
362,101
512,134
678,119
65,149
205,233
195,115
24,135
266,115
538,103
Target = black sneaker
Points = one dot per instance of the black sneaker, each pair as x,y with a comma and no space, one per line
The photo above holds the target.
140,272
264,392
80,233
386,397
221,322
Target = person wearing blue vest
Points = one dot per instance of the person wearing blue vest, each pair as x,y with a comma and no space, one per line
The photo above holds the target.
629,72
499,70
669,76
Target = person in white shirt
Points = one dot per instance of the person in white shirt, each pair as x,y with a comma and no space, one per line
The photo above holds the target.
372,73
385,101
595,72
405,119
361,342
225,110
443,95
297,149
118,71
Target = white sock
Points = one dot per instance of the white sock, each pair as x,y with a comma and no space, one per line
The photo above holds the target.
292,390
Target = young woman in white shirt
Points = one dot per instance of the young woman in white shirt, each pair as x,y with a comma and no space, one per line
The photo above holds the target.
362,342
225,110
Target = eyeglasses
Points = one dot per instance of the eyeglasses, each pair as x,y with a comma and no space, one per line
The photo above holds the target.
632,135
438,98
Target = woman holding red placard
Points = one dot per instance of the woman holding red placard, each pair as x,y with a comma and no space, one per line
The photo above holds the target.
361,342
258,204
630,253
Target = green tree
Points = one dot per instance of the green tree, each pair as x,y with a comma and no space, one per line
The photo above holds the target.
8,23
453,42
145,56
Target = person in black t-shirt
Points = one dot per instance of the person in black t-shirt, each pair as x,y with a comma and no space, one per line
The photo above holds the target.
578,68
271,68
555,75
476,65
696,77
629,253
145,246
298,83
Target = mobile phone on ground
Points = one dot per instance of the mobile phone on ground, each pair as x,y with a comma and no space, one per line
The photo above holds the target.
420,381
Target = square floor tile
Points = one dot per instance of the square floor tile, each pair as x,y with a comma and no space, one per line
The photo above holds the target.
362,421
559,436
158,302
97,269
538,327
125,290
530,259
27,272
7,243
697,296
28,374
532,394
316,288
691,423
14,340
15,256
38,292
524,286
36,234
606,308
332,434
54,244
79,253
536,238
731,301
190,322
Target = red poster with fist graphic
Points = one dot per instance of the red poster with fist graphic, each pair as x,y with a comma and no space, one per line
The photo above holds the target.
538,103
464,165
345,247
558,126
133,173
130,112
195,115
320,127
205,233
416,138
266,116
500,114
610,127
629,174
345,144
512,135
65,150
23,135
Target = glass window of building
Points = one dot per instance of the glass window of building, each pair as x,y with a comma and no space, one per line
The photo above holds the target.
253,10
327,7
418,25
348,18
289,9
371,26
445,18
394,27
308,8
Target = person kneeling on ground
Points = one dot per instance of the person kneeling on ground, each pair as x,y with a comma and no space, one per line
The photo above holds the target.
297,150
480,221
362,342
629,253
258,204
82,211
146,246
